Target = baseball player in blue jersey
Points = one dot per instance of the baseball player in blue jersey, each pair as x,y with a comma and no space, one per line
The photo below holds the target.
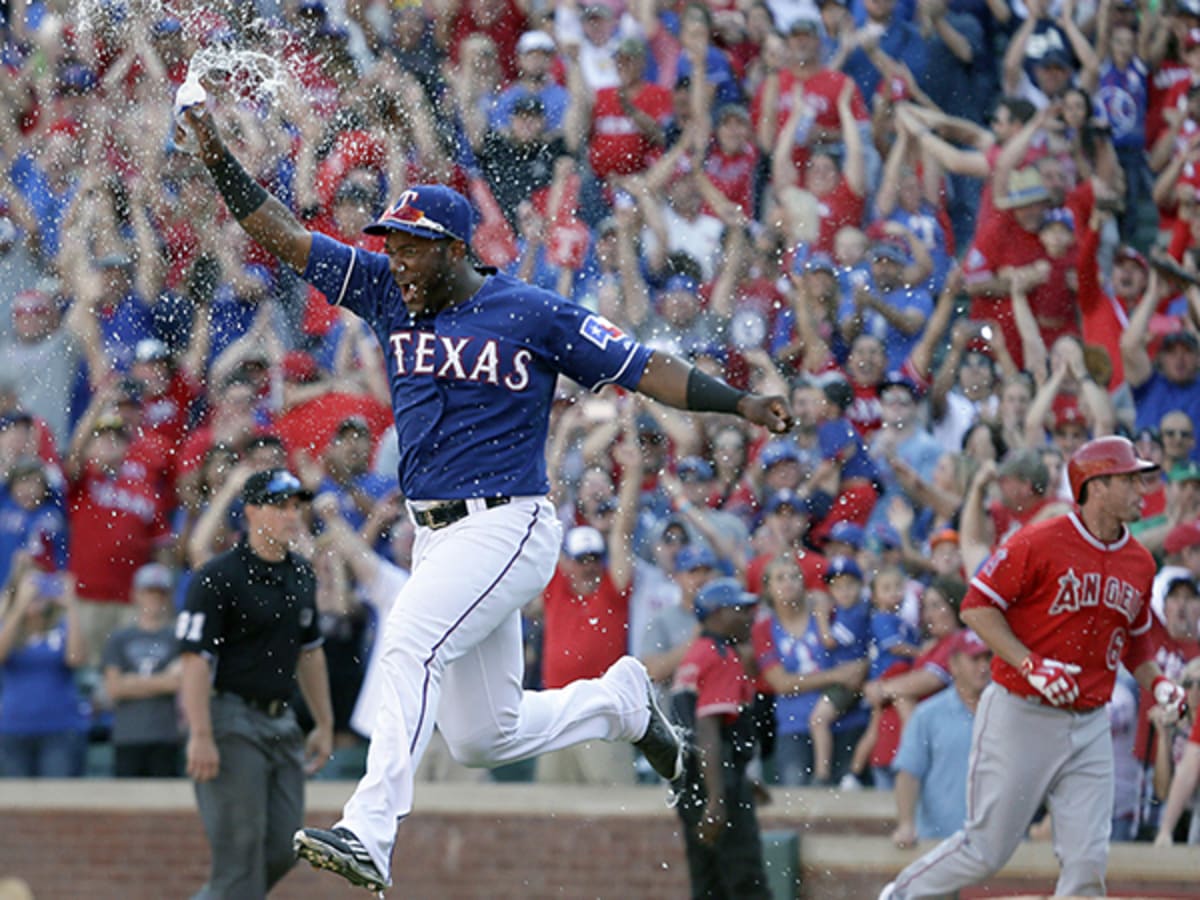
472,359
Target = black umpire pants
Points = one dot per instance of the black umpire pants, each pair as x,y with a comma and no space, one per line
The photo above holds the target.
255,804
732,868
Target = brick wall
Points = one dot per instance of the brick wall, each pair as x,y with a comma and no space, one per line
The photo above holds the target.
142,841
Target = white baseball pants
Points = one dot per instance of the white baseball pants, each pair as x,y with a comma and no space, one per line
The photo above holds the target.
452,652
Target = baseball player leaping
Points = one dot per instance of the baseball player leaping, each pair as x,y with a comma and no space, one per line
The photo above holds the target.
1062,603
472,360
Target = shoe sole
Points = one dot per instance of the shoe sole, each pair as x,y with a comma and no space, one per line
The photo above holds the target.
656,710
322,856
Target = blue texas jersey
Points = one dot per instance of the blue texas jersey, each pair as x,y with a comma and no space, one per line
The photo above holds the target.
472,385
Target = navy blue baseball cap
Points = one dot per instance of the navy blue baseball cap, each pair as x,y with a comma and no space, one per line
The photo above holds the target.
789,498
1059,216
842,565
718,594
847,533
273,486
431,211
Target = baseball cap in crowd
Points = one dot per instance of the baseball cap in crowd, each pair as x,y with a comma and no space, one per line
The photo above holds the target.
968,642
529,105
1027,465
631,46
1188,470
151,350
166,25
273,486
535,40
805,23
1191,39
719,594
1025,187
153,577
1180,337
820,262
693,468
1059,216
884,537
1125,253
1067,412
1187,8
945,536
431,211
695,556
1055,56
847,533
889,250
584,540
732,111
842,565
790,499
596,10
1182,536
777,451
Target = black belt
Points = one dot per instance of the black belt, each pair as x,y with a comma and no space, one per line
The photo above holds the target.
439,515
272,708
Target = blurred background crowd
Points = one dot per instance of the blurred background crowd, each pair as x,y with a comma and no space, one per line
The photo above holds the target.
956,234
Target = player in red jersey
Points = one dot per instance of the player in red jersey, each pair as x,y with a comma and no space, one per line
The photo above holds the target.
1062,604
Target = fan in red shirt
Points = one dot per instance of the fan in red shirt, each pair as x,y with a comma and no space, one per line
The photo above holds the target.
627,120
732,160
806,83
837,179
1005,241
585,612
115,524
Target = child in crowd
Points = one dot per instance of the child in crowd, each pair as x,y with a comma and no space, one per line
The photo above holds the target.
845,631
895,643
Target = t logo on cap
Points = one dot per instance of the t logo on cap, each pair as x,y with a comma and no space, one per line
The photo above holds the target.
431,211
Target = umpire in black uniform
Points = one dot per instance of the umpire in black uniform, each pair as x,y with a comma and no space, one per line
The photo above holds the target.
248,633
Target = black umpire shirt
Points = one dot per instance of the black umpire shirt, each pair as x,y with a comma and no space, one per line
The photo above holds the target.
251,618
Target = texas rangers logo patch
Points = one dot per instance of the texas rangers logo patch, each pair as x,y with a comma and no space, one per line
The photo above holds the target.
600,331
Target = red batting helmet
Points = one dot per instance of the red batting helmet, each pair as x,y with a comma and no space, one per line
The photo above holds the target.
1110,455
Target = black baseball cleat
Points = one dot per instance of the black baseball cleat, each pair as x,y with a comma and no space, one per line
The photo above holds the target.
340,852
661,744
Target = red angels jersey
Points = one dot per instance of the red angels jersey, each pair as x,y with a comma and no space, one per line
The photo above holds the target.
1068,596
713,672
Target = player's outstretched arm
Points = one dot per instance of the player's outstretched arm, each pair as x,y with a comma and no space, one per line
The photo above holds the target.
262,216
674,382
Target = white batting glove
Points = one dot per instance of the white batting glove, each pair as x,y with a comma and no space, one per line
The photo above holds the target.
1054,680
1171,697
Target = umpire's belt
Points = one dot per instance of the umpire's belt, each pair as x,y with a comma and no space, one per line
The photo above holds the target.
440,513
272,708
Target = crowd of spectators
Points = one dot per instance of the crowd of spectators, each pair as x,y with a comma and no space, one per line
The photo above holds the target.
956,234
